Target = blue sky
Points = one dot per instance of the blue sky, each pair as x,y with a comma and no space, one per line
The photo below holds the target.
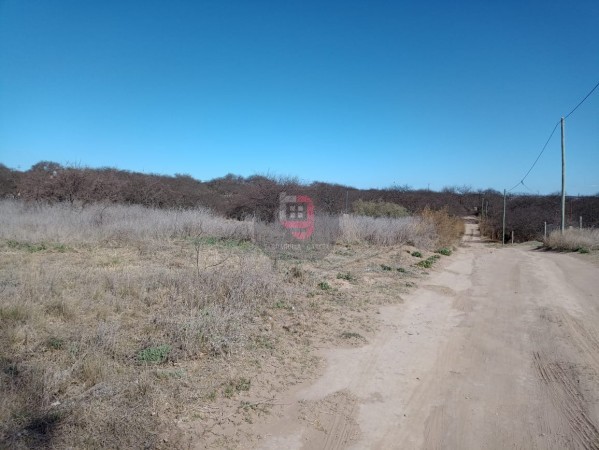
368,94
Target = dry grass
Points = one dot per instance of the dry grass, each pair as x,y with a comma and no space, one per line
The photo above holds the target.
449,229
79,331
388,231
574,240
111,223
36,224
117,321
98,319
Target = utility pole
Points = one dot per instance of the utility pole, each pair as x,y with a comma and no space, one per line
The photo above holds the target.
563,176
347,201
503,234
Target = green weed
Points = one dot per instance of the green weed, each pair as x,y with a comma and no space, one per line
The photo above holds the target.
55,343
167,374
346,276
282,304
154,355
428,262
235,386
27,246
351,335
324,286
16,313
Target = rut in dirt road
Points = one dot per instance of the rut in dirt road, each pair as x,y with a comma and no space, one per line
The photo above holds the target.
499,349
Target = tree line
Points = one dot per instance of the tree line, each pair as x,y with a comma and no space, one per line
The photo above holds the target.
238,197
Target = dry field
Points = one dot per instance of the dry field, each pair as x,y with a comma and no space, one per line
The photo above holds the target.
129,327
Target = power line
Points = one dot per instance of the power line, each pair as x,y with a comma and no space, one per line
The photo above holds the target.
538,157
582,101
529,189
521,182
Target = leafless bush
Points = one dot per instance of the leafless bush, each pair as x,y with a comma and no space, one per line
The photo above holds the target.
574,240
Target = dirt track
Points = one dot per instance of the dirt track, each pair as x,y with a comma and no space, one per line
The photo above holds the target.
499,349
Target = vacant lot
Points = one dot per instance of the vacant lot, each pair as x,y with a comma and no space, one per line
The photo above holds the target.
136,327
498,349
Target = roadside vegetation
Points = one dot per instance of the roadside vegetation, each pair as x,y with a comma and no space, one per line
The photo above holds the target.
574,240
119,324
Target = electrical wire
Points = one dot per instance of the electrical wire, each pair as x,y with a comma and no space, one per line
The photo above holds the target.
521,182
538,157
529,189
582,101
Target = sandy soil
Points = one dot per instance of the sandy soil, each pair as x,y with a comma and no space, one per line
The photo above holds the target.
498,349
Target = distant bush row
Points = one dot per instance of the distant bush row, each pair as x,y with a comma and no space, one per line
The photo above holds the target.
237,197
232,196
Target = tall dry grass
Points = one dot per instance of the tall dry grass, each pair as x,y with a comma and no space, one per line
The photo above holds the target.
573,239
98,223
388,231
449,229
61,222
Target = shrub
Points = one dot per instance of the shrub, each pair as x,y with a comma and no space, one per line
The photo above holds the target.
417,254
573,240
444,251
379,208
449,228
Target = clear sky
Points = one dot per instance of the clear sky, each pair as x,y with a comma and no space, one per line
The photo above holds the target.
362,93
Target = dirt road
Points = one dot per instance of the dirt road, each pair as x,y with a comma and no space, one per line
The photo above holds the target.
499,349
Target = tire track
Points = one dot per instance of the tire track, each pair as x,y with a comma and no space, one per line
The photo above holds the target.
565,396
340,433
